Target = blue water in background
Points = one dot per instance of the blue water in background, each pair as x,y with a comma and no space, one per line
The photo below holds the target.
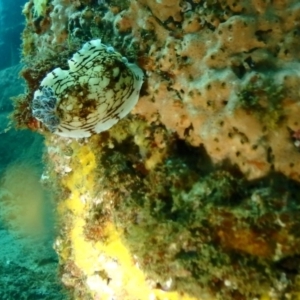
11,26
28,264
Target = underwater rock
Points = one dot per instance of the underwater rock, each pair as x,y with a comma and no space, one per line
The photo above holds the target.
196,195
98,90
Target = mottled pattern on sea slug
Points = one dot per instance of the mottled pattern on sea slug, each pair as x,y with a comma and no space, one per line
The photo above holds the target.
98,90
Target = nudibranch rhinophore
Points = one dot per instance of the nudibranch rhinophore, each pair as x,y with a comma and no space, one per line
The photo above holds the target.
100,88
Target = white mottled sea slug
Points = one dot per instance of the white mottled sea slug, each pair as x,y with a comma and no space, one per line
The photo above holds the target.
98,90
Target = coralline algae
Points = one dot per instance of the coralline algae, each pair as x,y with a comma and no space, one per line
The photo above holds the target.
99,89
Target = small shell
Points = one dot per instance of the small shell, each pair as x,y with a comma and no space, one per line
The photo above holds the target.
98,90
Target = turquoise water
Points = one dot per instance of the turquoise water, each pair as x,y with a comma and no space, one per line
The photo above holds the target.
28,263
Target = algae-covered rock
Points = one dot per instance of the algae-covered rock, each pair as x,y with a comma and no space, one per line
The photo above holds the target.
195,194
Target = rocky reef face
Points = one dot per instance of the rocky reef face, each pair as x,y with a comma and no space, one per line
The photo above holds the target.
195,195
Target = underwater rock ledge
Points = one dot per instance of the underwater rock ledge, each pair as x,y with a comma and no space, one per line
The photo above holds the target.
195,194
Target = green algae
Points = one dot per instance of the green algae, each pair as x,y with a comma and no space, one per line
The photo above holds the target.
263,97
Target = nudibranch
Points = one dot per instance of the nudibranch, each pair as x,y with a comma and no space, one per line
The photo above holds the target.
100,88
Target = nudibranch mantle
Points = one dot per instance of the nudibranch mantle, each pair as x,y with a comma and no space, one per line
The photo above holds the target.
100,88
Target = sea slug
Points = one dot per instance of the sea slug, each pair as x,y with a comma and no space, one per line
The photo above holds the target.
100,88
